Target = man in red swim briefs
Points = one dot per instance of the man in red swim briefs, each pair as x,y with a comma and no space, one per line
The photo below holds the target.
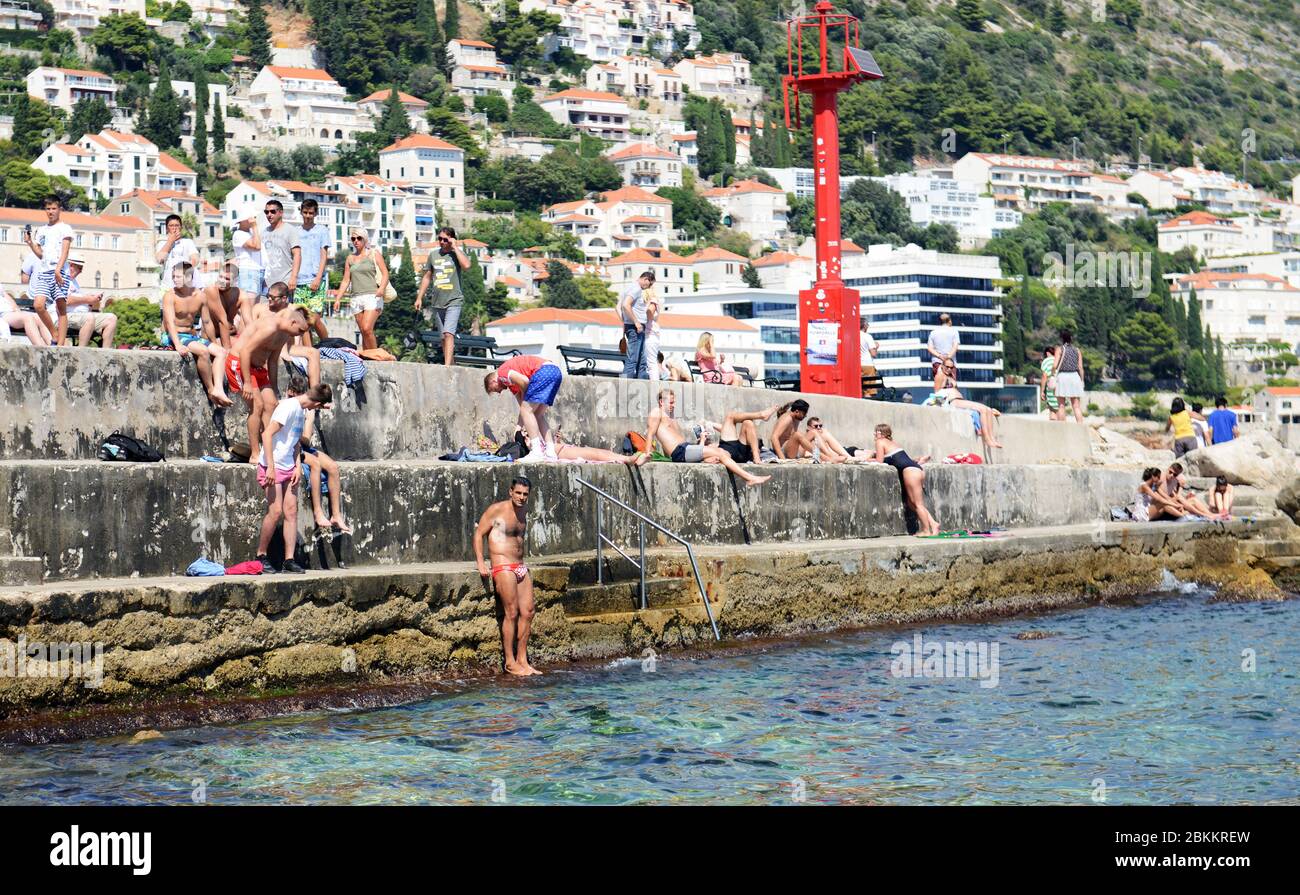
504,523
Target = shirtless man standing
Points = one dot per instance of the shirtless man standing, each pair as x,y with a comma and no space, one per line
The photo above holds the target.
252,367
663,425
504,524
182,317
226,302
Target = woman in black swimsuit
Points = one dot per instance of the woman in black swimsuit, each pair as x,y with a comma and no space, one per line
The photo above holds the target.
911,475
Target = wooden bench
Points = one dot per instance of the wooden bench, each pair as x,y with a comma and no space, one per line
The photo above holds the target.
580,361
470,351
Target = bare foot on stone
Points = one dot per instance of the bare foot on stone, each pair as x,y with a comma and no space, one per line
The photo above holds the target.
758,480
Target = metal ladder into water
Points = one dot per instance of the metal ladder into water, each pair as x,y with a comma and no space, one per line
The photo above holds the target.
642,521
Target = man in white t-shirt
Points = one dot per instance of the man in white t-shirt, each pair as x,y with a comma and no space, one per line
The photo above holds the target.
869,351
84,314
52,244
943,344
248,255
175,249
282,442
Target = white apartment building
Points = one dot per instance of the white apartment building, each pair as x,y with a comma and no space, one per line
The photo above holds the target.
1283,265
1161,190
715,268
687,146
622,220
647,166
725,76
475,70
427,165
63,87
117,250
902,290
1245,306
304,105
1111,194
541,331
751,207
83,16
372,107
1026,183
214,15
18,15
111,163
387,210
932,199
636,77
604,29
1219,192
603,115
674,275
1212,235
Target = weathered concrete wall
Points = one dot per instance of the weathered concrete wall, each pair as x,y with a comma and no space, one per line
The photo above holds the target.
59,404
235,636
92,519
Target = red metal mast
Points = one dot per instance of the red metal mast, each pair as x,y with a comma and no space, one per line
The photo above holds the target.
829,361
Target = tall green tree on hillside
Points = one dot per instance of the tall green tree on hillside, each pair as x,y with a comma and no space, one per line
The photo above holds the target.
1195,334
451,22
394,124
124,39
432,38
558,289
400,319
201,116
164,112
257,33
971,14
89,116
218,128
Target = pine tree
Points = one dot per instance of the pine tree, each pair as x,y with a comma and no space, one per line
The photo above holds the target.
394,124
451,23
1057,20
400,319
749,274
471,283
89,116
258,34
427,24
218,128
559,290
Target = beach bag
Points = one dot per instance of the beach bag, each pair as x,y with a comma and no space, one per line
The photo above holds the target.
636,441
514,449
123,447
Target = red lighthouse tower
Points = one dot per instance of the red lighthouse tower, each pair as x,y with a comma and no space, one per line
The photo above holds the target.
829,361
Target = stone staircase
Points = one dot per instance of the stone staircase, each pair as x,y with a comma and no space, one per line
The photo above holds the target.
17,570
585,599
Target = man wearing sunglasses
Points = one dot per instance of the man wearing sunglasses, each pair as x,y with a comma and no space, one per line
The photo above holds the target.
277,247
942,345
443,269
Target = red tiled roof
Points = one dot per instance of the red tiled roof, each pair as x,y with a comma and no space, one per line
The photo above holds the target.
420,141
1209,279
76,219
303,74
1196,219
648,256
578,93
643,150
406,98
172,165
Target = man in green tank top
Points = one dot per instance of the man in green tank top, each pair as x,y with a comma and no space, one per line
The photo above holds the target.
442,270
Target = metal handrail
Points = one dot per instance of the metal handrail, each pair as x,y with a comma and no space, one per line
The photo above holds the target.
642,521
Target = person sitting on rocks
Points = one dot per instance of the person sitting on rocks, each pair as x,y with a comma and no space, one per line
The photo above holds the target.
13,319
663,426
826,447
1220,498
948,395
1152,504
1174,487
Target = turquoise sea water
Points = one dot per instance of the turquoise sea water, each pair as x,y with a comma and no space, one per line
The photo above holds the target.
1149,698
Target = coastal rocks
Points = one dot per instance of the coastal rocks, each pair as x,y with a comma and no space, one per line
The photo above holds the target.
1256,458
1110,448
1288,499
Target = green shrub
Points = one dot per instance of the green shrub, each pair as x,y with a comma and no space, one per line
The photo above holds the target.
139,321
1144,407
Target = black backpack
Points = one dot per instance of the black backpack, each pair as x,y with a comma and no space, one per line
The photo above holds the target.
123,447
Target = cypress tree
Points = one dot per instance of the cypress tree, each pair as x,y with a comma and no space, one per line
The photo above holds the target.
1194,336
400,318
475,293
1220,371
164,112
258,34
451,23
728,129
218,129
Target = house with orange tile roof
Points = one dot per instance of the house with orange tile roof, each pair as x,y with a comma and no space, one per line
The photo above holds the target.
1212,235
616,222
429,166
1248,307
64,87
476,71
647,166
752,207
110,163
118,250
724,76
302,105
601,114
636,77
372,107
1283,265
674,275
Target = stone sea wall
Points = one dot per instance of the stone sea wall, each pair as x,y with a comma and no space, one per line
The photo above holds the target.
206,639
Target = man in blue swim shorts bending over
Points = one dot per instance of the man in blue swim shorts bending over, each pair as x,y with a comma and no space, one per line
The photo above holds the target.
534,381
